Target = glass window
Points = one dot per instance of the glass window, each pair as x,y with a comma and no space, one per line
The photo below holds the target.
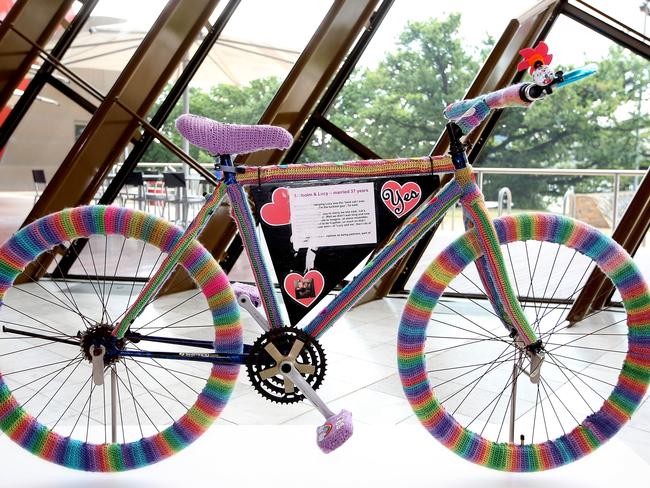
98,53
424,55
601,123
560,144
632,13
235,83
245,67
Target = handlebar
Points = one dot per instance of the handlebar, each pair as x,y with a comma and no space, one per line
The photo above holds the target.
468,114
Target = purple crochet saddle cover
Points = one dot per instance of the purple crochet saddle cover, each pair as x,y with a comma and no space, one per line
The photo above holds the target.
219,138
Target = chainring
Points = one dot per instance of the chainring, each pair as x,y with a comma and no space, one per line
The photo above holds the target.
283,339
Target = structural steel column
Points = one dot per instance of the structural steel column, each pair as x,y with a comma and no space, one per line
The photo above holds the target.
629,233
110,129
634,225
37,21
294,101
157,120
44,73
498,71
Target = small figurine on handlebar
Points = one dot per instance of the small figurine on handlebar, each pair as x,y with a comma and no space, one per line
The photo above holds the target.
537,61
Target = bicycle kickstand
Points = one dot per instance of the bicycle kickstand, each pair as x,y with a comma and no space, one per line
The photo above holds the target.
337,427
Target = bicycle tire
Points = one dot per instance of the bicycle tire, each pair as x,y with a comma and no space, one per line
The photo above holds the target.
631,377
22,425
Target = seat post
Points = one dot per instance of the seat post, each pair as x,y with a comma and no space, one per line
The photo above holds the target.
226,162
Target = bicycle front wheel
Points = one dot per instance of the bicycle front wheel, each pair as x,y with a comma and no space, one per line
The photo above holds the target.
472,386
146,409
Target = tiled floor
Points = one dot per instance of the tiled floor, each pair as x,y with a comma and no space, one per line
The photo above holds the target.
361,372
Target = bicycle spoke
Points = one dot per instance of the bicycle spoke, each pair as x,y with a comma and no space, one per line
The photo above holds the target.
61,303
466,373
90,402
172,396
573,386
492,367
83,407
71,298
592,363
99,286
69,405
473,300
119,402
42,377
560,281
468,343
583,347
579,374
137,270
92,284
34,368
548,281
532,434
465,366
171,371
59,388
490,335
25,338
135,402
34,319
176,322
531,277
104,409
150,394
470,321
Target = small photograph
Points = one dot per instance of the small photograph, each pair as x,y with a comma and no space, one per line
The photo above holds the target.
304,288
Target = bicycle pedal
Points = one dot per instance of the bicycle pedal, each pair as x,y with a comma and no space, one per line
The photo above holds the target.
250,291
335,431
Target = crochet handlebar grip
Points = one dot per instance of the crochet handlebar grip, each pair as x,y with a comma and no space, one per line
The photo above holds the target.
468,114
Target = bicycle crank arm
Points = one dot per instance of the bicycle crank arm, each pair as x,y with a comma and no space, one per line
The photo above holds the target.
246,303
337,428
287,370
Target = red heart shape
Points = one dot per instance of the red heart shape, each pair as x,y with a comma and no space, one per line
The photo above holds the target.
277,212
400,199
306,288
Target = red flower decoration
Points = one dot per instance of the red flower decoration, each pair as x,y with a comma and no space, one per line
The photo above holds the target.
533,55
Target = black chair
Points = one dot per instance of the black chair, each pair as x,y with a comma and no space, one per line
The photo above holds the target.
133,180
177,183
38,175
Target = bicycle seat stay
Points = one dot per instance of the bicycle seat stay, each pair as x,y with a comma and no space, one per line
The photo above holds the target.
220,138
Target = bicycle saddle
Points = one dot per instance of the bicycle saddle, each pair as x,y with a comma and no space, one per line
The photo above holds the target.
219,138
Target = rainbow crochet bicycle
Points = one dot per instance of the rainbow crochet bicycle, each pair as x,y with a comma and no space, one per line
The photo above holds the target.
104,374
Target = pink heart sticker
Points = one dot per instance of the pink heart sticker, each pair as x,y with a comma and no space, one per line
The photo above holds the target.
277,212
306,288
400,199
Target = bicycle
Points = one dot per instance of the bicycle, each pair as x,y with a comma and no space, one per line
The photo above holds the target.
101,336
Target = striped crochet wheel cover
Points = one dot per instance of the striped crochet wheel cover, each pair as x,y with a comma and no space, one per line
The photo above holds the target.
69,224
596,428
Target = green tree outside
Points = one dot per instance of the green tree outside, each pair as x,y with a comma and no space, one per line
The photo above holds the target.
396,107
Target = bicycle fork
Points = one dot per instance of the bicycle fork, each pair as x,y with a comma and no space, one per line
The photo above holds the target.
494,276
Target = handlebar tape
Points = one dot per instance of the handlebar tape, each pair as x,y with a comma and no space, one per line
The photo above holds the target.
468,114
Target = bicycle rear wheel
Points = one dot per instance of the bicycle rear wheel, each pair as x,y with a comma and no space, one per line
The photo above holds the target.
466,379
147,409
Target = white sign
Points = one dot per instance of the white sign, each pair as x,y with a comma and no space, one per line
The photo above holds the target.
333,215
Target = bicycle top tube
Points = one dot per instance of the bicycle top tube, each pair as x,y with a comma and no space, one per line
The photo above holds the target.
372,168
